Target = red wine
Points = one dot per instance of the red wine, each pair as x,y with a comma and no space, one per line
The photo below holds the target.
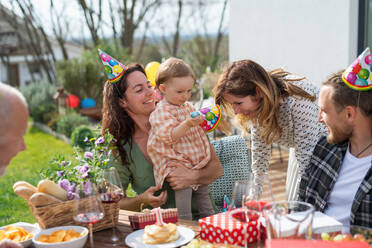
245,215
111,197
256,205
89,218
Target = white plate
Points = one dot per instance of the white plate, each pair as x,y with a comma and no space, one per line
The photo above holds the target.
31,228
134,239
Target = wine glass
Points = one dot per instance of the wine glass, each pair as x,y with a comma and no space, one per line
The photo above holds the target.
248,199
237,209
111,191
260,193
88,207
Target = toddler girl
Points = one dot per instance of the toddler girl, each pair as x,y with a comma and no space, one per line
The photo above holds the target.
177,139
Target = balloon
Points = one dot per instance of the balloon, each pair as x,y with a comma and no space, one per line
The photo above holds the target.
72,101
363,74
356,68
209,116
151,69
368,59
361,82
88,103
351,77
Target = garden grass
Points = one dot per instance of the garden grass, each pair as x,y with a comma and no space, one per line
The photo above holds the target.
26,166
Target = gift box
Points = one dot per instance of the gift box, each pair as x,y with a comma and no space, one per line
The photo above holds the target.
327,224
140,220
222,228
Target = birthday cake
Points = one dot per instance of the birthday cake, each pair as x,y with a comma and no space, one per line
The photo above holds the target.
160,234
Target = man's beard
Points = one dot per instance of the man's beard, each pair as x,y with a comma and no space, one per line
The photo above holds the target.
339,135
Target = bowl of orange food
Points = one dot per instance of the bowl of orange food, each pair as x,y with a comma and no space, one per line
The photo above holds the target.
61,237
20,232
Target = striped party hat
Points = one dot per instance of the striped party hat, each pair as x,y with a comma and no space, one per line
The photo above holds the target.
358,75
114,69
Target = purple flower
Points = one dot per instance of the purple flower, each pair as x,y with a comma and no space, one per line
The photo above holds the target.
60,173
85,175
100,140
86,139
88,188
63,163
72,187
88,155
64,184
71,195
83,169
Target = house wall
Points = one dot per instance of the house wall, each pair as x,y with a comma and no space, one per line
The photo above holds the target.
312,38
24,73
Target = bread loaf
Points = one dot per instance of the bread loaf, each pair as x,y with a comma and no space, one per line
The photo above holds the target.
25,184
51,188
24,192
42,199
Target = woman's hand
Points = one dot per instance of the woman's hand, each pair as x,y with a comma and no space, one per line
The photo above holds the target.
148,197
181,177
6,243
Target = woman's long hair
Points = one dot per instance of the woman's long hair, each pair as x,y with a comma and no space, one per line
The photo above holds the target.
115,118
242,79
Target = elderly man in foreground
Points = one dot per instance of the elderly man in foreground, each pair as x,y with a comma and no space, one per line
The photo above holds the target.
13,126
338,180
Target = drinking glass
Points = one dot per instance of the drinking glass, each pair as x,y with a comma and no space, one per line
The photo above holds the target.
237,209
289,219
111,191
88,207
260,193
248,199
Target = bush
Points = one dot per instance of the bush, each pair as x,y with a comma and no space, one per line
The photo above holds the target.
52,123
39,97
66,124
78,136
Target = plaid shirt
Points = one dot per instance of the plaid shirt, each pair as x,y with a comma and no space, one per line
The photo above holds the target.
191,150
321,175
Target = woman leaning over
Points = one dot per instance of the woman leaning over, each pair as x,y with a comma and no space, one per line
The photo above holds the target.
127,105
277,107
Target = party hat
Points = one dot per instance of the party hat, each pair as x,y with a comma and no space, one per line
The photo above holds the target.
358,75
211,116
114,69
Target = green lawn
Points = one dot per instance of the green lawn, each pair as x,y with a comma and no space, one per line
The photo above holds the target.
26,167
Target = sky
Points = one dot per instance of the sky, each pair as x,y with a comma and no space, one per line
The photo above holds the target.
161,23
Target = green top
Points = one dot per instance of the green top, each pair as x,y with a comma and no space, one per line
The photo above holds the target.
140,174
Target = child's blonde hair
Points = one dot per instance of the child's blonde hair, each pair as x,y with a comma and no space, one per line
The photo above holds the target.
171,68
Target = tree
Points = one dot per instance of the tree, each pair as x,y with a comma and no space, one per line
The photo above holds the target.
60,31
93,18
31,35
130,21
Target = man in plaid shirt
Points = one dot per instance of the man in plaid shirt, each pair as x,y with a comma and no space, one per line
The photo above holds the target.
338,180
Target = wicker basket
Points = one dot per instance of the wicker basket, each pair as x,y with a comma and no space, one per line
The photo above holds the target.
61,214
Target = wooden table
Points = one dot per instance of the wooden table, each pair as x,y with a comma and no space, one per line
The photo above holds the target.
102,238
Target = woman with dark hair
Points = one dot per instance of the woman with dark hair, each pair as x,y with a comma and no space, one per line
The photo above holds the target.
277,107
127,105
